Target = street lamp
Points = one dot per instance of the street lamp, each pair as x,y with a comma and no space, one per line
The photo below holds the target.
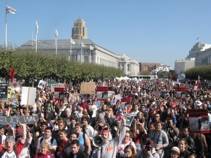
56,41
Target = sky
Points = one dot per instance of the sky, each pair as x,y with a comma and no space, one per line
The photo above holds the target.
146,30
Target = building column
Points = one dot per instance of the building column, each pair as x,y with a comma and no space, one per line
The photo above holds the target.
79,56
90,56
125,68
82,56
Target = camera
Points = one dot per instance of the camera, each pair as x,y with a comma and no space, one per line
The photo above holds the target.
98,141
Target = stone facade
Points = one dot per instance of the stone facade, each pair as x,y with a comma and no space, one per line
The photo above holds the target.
183,65
81,49
201,52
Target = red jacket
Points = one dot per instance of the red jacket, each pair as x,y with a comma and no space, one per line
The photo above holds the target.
41,155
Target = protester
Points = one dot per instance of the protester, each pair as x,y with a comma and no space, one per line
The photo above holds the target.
129,152
75,151
84,140
11,73
160,139
108,148
149,150
9,148
126,141
183,146
47,139
44,152
3,72
175,152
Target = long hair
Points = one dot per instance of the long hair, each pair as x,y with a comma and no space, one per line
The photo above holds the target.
132,149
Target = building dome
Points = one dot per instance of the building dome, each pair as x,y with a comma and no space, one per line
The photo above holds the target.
199,47
79,22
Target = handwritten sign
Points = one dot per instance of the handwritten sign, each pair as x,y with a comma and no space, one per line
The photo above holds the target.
87,88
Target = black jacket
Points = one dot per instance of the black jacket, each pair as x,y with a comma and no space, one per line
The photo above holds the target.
80,154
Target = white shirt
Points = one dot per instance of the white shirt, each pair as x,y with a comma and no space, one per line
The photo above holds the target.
9,155
90,131
53,145
24,153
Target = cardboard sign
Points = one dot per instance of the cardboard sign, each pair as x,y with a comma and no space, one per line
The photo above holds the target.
28,96
3,90
88,88
199,121
13,120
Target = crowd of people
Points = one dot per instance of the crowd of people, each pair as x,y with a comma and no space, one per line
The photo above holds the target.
143,119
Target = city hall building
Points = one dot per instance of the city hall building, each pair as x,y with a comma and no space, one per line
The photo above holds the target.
81,49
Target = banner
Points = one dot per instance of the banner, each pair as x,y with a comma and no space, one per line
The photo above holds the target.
88,88
13,120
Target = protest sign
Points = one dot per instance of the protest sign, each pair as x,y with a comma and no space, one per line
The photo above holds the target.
42,84
199,121
88,88
129,119
13,95
3,90
60,87
28,96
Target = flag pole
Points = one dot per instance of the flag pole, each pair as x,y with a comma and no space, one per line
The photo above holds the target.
36,42
6,30
56,45
56,41
36,35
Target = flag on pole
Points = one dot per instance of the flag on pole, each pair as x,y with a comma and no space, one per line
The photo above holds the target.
10,10
72,41
37,26
56,33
